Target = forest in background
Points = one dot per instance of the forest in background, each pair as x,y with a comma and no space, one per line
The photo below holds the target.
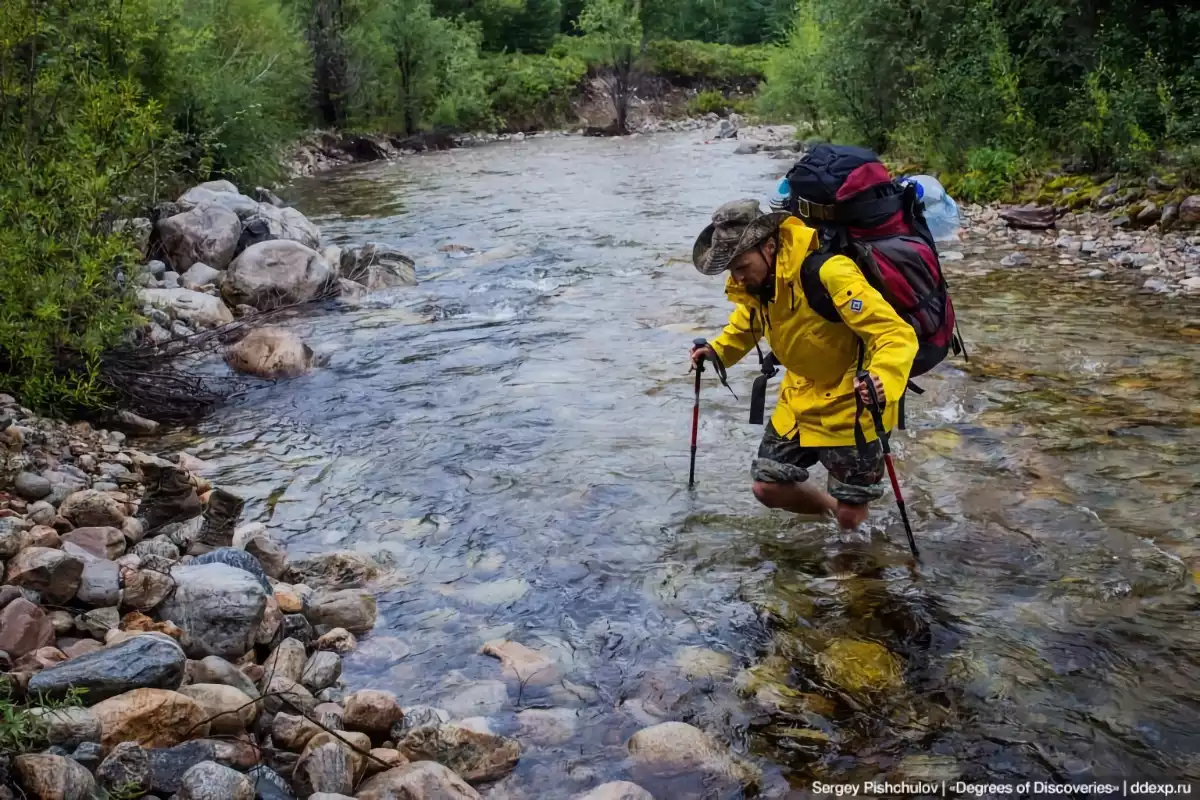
109,106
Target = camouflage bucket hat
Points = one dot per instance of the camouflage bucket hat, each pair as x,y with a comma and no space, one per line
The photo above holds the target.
736,227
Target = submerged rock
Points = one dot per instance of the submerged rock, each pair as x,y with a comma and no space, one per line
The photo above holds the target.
678,749
860,666
474,756
271,353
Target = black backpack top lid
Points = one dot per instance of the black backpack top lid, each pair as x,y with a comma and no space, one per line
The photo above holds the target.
829,177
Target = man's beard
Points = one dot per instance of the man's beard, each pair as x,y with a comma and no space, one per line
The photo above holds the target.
765,291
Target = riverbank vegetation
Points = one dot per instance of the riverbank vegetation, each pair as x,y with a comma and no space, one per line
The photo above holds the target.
109,106
993,93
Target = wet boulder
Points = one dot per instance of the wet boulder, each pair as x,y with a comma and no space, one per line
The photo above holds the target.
372,712
126,770
195,308
201,197
342,569
378,266
150,661
206,234
287,224
1189,210
676,749
287,661
860,666
321,671
230,711
617,790
473,755
214,669
104,542
276,273
352,609
271,353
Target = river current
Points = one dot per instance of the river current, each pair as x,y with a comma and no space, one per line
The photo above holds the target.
511,436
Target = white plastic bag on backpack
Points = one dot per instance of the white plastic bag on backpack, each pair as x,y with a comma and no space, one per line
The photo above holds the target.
941,212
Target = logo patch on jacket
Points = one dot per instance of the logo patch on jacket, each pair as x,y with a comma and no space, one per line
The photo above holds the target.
856,304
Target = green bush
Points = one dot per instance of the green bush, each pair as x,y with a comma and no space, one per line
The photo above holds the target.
690,60
76,131
991,175
795,86
236,79
531,92
709,101
416,70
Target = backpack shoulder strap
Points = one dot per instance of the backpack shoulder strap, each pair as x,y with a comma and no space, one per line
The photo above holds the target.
814,291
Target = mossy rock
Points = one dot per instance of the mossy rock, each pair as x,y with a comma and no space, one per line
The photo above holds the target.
860,666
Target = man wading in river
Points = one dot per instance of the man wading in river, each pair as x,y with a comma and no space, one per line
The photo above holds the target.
814,419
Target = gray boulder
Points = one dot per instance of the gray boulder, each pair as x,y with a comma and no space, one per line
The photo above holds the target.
100,584
150,661
211,781
378,266
219,608
201,275
126,770
213,669
287,224
276,273
70,726
207,234
238,559
352,609
31,487
195,308
201,197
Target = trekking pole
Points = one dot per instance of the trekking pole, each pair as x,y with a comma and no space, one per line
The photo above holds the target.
696,412
877,417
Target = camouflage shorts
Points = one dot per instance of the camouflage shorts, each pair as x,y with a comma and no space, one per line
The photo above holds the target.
852,478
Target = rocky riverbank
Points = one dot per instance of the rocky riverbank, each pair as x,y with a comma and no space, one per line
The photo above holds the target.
1083,245
216,255
153,646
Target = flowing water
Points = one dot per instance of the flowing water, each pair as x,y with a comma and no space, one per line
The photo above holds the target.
513,432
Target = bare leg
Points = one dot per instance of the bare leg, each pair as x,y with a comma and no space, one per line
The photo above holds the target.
799,498
850,516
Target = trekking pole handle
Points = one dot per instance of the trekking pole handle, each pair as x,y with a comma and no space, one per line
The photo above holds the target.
875,406
696,344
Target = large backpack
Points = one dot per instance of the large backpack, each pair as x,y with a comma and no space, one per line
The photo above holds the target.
859,211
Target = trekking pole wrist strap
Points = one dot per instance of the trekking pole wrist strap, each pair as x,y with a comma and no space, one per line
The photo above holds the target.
758,395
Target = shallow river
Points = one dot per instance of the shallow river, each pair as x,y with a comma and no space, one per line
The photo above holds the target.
514,433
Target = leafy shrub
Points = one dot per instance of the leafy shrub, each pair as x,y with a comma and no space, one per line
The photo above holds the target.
76,131
709,101
416,70
533,92
991,174
689,60
235,81
795,87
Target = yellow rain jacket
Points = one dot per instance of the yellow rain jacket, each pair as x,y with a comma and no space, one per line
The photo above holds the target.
816,399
